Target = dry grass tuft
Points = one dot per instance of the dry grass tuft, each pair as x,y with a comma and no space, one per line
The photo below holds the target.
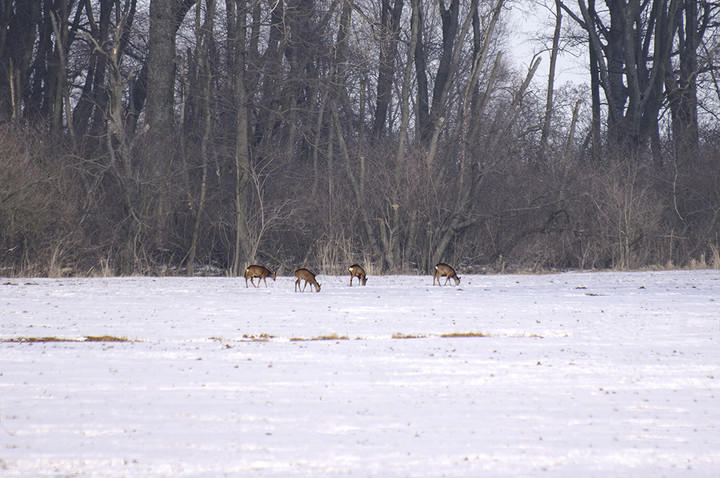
398,335
258,338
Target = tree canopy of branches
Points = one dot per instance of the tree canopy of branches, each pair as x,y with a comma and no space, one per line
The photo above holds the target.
199,136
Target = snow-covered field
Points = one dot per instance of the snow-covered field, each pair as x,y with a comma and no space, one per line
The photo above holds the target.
573,374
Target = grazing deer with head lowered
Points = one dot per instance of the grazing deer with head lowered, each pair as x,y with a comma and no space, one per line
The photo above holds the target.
308,277
447,271
260,272
359,272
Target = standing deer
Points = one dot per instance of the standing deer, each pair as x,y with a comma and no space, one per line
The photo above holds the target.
359,272
260,272
447,271
308,277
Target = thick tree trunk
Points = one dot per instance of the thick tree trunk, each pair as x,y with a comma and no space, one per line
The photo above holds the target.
165,19
242,143
389,36
682,90
423,127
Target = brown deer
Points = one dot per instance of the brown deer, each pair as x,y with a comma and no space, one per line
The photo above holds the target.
359,272
447,271
260,272
308,277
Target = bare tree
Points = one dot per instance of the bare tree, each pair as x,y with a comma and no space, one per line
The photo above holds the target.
628,58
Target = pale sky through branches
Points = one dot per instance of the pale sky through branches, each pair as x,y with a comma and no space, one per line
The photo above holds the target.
531,25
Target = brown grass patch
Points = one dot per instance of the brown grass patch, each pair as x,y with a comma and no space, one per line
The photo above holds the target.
321,337
464,335
105,338
22,340
87,338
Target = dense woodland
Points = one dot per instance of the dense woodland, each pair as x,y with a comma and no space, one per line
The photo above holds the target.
197,137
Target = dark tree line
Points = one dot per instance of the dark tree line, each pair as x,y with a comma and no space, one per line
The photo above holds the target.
161,137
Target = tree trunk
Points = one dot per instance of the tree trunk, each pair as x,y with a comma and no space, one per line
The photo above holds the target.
17,42
447,68
60,28
595,106
551,81
242,145
165,19
682,92
389,36
423,127
204,39
90,109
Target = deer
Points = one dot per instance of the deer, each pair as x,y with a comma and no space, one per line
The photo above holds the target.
359,272
308,277
447,271
260,272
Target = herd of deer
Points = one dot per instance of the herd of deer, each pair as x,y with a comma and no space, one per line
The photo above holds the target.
260,272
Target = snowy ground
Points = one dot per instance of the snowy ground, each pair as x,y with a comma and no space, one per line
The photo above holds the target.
574,374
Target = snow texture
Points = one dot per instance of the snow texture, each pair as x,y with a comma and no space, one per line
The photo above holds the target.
572,374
